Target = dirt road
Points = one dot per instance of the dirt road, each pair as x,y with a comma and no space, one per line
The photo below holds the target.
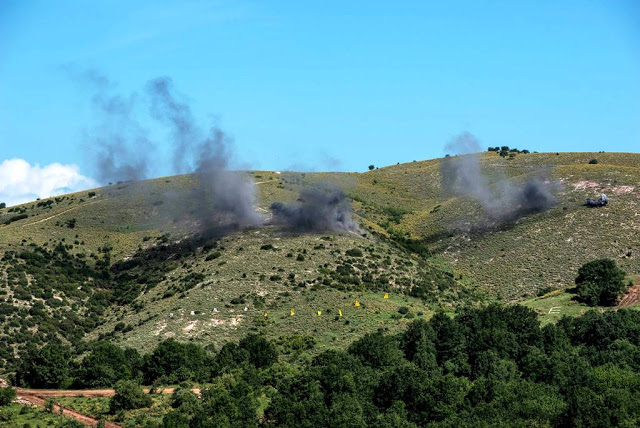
60,213
83,419
88,392
38,397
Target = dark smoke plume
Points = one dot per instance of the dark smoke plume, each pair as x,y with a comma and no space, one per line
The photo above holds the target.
505,200
223,200
223,196
118,145
316,210
165,108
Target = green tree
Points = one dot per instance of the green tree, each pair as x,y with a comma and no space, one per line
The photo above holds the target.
175,419
106,364
395,417
230,402
70,423
230,356
346,412
376,349
129,395
7,395
300,402
262,353
47,367
173,361
600,282
187,404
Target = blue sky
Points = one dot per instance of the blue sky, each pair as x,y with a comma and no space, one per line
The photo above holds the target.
331,85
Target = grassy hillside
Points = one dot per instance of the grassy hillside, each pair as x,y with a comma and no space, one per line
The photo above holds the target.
538,251
123,262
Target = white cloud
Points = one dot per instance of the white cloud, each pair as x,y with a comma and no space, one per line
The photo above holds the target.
21,182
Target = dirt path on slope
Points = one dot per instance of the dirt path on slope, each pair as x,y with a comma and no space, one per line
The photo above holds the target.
38,397
63,212
631,297
89,393
83,419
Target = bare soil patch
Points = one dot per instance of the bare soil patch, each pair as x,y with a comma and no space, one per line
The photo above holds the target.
631,297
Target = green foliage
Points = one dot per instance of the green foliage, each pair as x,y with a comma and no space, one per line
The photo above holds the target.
213,256
295,343
106,364
600,282
376,350
172,362
593,161
7,395
47,367
484,367
262,353
129,395
70,423
15,218
354,252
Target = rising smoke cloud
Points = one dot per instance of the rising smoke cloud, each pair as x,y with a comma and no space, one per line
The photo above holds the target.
316,210
504,200
223,195
118,145
223,199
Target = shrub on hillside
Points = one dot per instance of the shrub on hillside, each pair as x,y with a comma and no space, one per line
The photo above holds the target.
7,395
15,218
213,256
600,282
593,161
354,252
129,396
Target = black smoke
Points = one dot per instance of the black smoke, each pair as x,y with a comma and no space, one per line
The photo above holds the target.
223,199
223,195
118,145
501,198
316,210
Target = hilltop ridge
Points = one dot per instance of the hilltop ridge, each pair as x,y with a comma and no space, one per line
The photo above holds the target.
120,262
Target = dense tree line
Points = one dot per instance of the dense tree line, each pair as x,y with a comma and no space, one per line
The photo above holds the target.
491,366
